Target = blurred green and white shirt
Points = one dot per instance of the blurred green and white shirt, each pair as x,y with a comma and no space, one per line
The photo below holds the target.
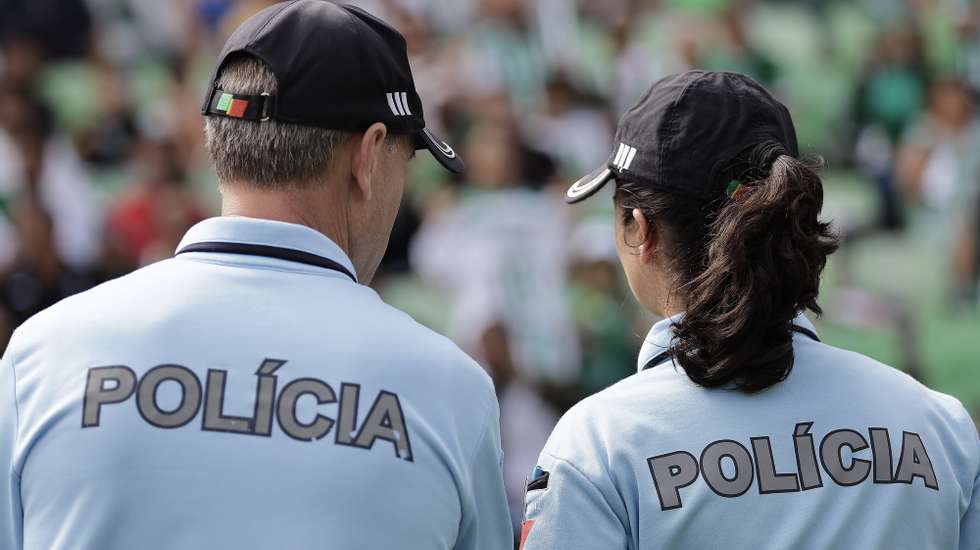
502,256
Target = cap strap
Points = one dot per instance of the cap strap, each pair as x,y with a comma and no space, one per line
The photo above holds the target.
245,107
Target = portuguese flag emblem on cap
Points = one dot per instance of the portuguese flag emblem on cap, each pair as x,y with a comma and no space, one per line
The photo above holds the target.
231,106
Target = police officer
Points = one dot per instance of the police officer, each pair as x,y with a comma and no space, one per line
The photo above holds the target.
741,428
252,392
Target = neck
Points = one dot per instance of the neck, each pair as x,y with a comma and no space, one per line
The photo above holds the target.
657,293
672,304
309,207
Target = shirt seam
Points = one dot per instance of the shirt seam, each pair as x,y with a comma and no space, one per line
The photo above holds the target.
472,455
483,435
13,373
580,473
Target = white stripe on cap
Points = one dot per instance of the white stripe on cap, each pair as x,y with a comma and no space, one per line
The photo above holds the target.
404,103
629,158
619,155
398,101
391,104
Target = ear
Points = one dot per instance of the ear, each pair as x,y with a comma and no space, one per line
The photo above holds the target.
367,157
647,234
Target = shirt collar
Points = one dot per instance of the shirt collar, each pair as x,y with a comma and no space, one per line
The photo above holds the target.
239,229
660,335
657,340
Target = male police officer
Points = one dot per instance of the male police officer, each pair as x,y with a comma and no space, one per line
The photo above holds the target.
251,392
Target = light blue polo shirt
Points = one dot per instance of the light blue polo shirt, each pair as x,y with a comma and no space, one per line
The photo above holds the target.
845,453
224,400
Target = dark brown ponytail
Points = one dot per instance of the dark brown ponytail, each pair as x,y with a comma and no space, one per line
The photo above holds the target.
744,266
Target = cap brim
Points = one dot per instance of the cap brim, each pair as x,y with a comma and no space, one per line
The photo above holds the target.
587,186
441,150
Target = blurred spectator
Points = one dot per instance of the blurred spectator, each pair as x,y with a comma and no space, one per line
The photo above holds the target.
939,166
504,55
59,28
601,306
108,141
969,55
36,277
133,28
500,250
526,419
35,159
22,61
148,222
893,88
175,115
966,263
890,95
573,128
734,51
635,65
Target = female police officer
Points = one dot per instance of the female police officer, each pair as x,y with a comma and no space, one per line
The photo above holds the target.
741,429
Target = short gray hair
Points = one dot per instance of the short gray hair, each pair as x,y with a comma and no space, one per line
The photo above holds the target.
269,154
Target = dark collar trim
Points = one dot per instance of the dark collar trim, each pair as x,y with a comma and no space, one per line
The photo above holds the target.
663,356
277,252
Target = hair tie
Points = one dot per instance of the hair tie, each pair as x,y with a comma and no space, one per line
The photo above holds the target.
736,190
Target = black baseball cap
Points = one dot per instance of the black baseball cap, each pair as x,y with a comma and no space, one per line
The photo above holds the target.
684,134
337,67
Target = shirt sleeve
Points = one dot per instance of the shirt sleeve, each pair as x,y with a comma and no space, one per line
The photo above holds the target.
486,519
970,523
567,510
11,516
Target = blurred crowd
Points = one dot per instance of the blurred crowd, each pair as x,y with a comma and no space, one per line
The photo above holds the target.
102,166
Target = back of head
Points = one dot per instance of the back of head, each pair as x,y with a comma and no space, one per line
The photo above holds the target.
709,163
744,266
297,78
312,118
271,155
